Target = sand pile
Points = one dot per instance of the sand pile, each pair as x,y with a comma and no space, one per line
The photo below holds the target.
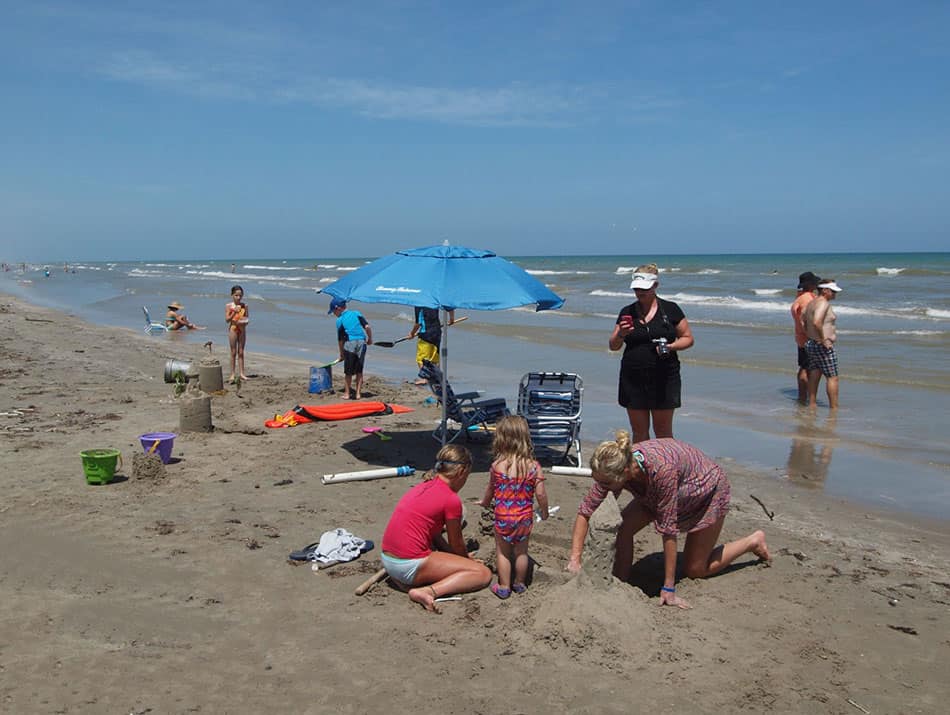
148,466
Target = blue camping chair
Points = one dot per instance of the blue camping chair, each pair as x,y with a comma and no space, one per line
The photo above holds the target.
551,403
472,415
150,326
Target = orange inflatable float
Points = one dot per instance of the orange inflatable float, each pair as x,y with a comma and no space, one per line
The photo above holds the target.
302,414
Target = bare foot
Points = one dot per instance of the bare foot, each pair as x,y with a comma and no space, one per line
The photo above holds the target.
759,548
358,396
245,377
425,597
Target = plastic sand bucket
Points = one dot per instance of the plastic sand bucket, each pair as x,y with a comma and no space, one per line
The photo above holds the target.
100,464
321,379
172,367
159,443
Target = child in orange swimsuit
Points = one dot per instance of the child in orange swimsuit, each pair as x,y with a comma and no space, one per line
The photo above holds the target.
236,315
516,481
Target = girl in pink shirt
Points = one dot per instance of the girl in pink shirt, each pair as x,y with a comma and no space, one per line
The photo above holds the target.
415,554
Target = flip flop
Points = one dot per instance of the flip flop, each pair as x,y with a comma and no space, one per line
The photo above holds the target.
502,593
378,431
307,552
518,588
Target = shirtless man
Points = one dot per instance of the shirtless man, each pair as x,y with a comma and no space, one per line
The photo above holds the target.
807,283
819,321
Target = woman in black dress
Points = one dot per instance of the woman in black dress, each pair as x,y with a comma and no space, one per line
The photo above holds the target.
652,331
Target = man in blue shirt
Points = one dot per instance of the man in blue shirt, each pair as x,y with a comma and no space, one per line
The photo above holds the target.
353,334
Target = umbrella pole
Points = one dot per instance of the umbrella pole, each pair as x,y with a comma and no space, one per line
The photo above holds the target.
444,349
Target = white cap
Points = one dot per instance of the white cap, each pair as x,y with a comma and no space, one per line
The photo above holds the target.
830,285
643,280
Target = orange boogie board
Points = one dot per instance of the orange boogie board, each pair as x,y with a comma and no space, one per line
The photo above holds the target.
301,414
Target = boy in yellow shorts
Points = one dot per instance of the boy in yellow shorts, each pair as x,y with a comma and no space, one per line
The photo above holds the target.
429,329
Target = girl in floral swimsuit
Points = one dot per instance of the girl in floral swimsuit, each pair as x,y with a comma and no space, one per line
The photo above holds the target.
679,489
516,480
236,315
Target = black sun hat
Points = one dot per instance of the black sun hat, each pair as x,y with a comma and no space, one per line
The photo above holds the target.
808,279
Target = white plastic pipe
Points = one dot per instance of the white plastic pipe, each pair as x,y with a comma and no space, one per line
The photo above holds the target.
553,510
572,471
367,475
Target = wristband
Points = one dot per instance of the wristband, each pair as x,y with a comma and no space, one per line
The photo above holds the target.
668,589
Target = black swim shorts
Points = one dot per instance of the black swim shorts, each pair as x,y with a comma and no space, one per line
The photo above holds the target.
803,358
656,388
354,355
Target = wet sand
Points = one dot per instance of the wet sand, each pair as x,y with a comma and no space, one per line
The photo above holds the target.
173,593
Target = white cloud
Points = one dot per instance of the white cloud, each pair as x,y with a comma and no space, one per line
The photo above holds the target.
514,105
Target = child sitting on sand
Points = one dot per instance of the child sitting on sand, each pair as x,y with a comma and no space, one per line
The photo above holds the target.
415,554
236,316
516,480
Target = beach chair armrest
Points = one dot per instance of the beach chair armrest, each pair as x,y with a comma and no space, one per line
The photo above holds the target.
467,396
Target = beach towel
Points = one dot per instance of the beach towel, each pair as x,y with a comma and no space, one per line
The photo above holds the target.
301,414
338,545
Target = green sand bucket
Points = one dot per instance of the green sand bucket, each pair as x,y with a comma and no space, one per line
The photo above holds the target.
100,464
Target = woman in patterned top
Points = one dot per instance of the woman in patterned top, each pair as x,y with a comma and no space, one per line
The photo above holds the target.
679,489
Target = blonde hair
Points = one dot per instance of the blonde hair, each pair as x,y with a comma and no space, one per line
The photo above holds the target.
512,443
648,268
451,461
611,458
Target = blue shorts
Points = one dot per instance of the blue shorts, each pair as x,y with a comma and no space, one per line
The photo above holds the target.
402,570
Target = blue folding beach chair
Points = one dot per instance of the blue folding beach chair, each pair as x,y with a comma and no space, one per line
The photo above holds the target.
150,327
472,415
551,403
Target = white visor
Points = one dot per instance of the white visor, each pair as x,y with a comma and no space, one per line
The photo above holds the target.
831,285
643,280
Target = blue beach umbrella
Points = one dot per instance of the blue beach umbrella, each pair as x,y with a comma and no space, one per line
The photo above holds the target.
445,277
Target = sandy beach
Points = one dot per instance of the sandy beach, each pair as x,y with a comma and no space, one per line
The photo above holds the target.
174,594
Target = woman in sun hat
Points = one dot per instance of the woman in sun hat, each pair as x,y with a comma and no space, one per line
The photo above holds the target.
651,331
176,320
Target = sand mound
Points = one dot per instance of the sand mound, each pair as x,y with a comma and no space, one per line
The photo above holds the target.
584,619
148,466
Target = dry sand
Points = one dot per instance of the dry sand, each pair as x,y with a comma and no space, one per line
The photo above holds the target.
172,592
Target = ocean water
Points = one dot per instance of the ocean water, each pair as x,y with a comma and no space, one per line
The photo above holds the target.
886,445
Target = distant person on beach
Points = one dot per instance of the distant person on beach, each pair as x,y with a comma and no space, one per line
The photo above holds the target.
176,320
516,480
807,283
652,331
353,335
232,268
819,319
428,326
236,314
680,490
415,554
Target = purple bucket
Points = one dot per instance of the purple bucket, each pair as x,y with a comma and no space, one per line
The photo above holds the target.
163,448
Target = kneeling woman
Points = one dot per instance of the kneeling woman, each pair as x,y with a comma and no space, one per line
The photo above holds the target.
679,489
415,554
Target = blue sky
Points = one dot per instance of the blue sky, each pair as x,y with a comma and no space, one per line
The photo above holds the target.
293,129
